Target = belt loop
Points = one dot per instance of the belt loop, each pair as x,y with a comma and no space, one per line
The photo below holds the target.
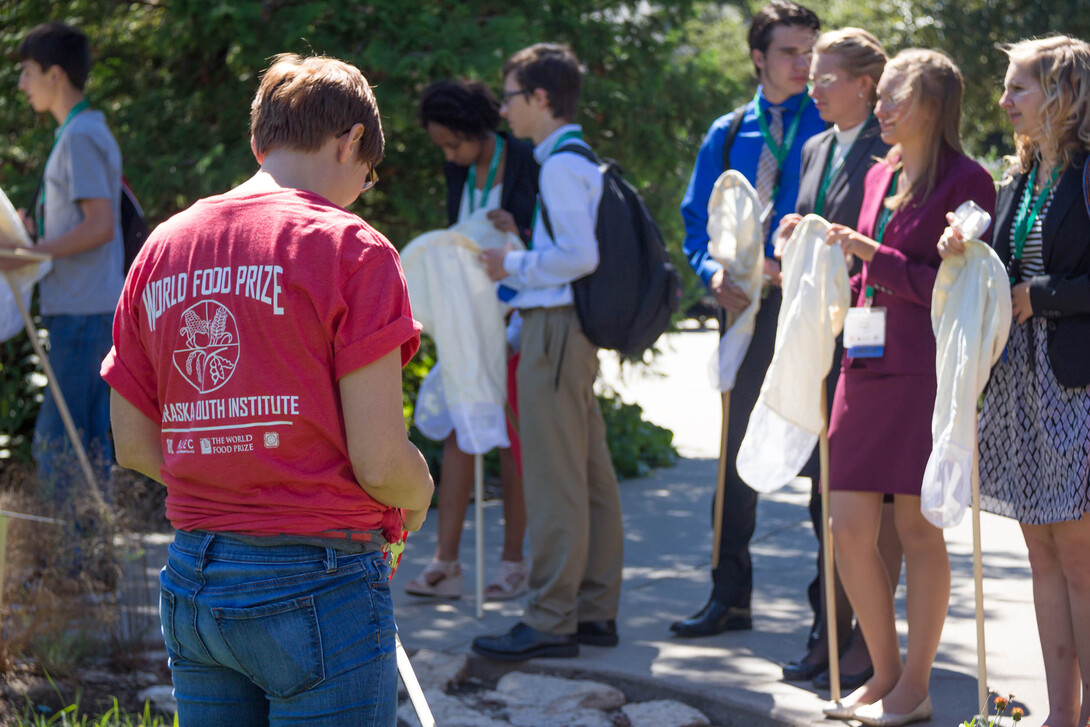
330,560
203,550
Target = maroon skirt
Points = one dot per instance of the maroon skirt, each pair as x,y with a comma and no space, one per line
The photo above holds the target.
880,432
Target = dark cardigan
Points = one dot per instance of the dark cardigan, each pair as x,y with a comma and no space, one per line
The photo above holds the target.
519,195
1062,294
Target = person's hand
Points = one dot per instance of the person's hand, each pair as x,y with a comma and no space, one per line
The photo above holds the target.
28,223
503,221
851,242
1021,307
493,258
788,223
732,298
951,243
414,519
772,273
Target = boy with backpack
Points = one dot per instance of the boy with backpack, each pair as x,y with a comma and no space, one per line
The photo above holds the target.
77,223
572,501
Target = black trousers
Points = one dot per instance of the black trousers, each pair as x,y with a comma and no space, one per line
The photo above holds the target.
732,580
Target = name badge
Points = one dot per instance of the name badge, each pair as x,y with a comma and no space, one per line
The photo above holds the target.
865,332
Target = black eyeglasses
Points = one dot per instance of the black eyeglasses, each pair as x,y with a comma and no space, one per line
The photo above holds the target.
372,175
508,95
372,180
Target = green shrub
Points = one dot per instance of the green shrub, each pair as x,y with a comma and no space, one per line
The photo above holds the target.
20,397
635,445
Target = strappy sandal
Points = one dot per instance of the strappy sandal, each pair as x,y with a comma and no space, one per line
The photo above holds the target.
440,579
512,580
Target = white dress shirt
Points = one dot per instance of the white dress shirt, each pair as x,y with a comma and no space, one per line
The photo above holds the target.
570,189
844,140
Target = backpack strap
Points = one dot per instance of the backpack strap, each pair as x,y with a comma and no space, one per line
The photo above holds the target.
582,150
732,133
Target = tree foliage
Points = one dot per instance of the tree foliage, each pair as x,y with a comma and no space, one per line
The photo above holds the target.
972,33
175,78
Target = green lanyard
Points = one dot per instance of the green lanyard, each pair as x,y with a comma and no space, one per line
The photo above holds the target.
1026,217
780,151
81,106
537,207
880,228
471,181
831,169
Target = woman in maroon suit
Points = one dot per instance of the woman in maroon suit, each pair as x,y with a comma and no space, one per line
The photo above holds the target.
880,429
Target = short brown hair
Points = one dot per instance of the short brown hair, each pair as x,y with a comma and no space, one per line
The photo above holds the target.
303,101
776,13
553,67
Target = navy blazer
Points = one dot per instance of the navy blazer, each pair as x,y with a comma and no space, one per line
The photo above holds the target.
844,196
519,194
1062,294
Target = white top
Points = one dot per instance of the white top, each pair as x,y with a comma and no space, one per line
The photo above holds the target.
1033,259
844,140
570,188
491,202
787,418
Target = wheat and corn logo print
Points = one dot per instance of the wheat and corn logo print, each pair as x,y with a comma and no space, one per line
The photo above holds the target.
208,349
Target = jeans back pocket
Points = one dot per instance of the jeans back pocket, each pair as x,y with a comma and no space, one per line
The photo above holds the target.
278,645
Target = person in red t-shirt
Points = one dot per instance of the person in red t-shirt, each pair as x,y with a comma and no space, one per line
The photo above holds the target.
255,372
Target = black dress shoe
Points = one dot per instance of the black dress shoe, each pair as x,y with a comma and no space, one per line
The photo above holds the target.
526,642
715,618
847,681
598,633
803,670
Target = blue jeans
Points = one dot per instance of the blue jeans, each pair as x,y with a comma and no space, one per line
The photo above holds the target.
77,345
277,635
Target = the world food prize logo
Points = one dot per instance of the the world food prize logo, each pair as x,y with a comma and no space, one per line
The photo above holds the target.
272,440
208,355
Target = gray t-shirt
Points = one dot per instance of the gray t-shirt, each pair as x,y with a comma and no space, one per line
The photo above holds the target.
85,164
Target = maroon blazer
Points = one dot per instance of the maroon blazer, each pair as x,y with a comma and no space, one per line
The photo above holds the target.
904,267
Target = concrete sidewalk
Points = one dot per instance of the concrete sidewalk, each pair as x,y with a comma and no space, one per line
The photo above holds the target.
735,678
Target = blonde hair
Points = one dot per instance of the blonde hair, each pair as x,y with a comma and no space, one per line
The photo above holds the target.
1061,64
933,83
859,52
303,101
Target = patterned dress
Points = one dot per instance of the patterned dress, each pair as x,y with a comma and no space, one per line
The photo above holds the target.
1034,432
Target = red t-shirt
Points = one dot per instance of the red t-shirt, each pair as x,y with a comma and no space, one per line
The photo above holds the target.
237,320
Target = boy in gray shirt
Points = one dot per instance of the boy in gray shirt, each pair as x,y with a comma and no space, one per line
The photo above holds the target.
77,222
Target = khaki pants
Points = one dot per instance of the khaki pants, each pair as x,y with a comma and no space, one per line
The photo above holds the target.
573,505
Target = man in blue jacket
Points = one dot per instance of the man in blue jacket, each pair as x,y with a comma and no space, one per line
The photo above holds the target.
765,145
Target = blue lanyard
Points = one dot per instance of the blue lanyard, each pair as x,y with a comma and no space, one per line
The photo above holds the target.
81,106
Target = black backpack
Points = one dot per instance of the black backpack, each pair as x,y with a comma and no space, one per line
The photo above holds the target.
732,133
626,303
134,226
